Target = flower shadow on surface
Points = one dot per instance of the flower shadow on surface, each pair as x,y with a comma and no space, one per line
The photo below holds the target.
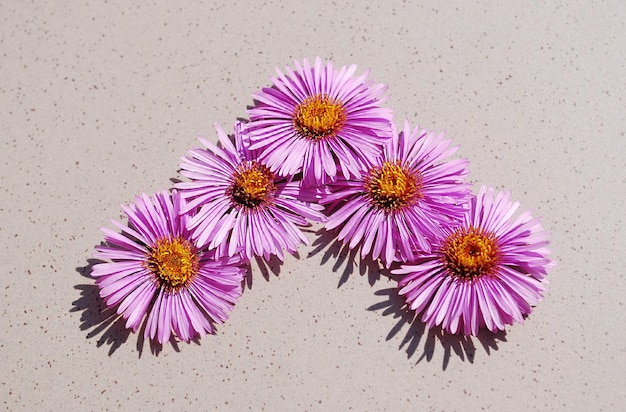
345,258
418,335
273,267
104,323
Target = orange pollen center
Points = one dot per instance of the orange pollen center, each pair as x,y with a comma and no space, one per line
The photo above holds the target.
253,186
174,262
392,187
470,253
318,117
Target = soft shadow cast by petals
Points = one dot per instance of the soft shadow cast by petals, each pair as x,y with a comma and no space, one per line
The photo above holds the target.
103,323
345,260
266,267
100,322
422,342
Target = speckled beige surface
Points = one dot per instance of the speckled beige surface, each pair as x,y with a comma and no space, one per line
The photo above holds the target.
99,99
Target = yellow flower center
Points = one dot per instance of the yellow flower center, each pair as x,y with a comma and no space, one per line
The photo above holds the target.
318,117
174,262
253,186
392,187
470,253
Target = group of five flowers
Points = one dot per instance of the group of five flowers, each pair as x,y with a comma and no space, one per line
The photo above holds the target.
319,146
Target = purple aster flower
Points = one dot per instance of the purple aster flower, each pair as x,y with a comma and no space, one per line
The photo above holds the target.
155,271
402,199
488,271
243,206
315,118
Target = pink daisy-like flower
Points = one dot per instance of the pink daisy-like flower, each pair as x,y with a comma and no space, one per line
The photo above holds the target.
402,199
488,271
156,271
243,206
315,118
